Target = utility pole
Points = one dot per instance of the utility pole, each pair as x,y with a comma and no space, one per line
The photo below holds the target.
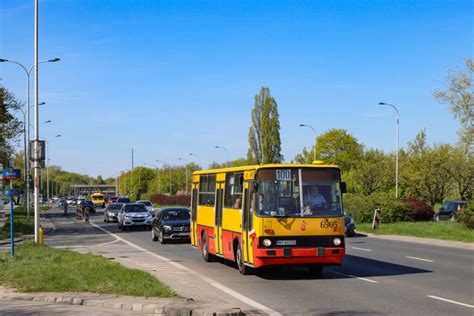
36,142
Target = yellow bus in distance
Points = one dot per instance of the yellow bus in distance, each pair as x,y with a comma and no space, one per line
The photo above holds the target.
98,199
275,214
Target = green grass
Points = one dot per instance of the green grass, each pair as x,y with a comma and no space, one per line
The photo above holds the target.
44,269
439,230
45,208
20,224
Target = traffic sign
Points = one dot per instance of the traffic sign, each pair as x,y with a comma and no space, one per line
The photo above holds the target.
11,192
11,174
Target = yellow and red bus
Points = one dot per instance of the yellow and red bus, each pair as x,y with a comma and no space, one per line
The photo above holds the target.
274,214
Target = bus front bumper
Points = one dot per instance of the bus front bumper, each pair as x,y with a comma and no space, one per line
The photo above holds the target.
283,256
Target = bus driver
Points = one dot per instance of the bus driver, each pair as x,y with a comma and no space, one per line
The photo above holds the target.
314,200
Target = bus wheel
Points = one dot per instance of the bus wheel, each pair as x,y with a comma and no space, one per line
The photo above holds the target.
205,250
239,260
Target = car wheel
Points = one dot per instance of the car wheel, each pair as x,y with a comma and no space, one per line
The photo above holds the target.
205,250
161,239
239,260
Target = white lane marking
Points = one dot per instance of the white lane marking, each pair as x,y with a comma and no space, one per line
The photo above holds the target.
450,301
421,259
354,276
105,243
215,284
363,249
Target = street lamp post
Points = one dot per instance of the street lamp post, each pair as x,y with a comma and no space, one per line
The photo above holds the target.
398,144
186,172
157,175
169,167
314,131
197,156
27,121
226,155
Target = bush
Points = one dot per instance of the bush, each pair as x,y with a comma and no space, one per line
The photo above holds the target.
362,208
162,199
420,211
466,215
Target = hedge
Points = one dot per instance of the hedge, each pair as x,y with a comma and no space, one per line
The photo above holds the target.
362,207
162,199
466,215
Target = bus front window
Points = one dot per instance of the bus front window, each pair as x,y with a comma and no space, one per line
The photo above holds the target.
279,191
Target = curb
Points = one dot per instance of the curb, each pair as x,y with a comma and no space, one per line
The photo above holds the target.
151,308
426,241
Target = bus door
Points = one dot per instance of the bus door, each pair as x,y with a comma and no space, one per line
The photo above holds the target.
247,223
194,215
218,217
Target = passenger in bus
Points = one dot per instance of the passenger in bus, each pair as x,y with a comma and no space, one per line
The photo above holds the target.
261,203
238,203
314,200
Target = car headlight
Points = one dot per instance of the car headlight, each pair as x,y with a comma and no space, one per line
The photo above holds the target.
166,227
337,241
126,216
267,242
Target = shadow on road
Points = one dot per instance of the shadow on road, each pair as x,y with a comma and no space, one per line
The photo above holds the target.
353,265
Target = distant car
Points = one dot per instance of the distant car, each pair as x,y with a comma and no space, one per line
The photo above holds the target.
171,223
123,200
350,225
62,202
111,212
83,203
133,214
112,200
448,210
71,200
148,206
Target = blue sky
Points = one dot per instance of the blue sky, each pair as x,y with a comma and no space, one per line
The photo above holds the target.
173,77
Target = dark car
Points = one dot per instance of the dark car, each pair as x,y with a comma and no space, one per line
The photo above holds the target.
82,204
112,200
171,223
448,210
123,200
62,202
350,225
111,212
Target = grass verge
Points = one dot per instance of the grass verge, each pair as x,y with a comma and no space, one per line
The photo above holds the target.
44,269
20,224
438,230
45,208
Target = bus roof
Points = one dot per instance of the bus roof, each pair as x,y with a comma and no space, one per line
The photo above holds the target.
317,164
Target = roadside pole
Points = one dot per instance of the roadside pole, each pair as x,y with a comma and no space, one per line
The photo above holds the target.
12,236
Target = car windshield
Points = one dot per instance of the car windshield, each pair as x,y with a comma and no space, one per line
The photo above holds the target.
135,208
146,203
97,197
281,192
451,206
116,206
123,200
175,214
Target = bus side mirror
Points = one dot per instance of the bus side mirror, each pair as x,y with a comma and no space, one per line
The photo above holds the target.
343,187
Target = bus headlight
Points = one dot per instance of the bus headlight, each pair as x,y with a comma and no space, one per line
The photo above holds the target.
267,242
337,241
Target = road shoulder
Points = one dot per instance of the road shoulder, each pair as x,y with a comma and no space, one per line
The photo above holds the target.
426,241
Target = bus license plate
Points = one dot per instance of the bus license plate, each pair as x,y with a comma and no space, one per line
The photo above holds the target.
286,242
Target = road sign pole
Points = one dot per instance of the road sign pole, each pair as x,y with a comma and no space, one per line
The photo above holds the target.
12,238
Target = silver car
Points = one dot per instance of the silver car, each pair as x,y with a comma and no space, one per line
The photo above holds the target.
134,214
111,212
148,206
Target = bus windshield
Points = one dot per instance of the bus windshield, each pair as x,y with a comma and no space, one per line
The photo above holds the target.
281,192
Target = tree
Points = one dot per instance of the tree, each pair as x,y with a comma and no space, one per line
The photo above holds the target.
373,173
264,133
459,94
426,171
461,171
233,163
336,146
10,127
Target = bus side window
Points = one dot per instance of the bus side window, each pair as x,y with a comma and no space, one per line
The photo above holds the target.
251,208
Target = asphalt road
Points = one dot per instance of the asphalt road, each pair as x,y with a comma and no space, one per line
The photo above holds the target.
377,277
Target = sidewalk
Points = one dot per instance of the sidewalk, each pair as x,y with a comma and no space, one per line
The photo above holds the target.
427,241
142,305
